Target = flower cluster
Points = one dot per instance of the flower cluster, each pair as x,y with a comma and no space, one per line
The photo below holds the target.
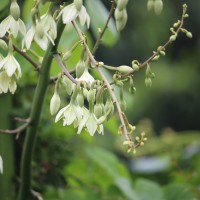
89,116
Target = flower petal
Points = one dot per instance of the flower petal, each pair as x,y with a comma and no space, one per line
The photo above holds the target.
60,114
29,37
69,13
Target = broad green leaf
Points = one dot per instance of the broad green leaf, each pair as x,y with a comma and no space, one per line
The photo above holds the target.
176,191
148,190
98,15
116,170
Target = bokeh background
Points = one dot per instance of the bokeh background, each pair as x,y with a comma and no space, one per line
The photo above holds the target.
79,167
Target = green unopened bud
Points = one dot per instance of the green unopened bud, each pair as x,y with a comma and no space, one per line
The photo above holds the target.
120,24
121,4
150,5
109,105
55,103
80,68
118,14
15,10
135,67
124,69
39,30
162,53
3,45
67,84
91,96
156,58
66,55
189,34
158,6
132,90
78,4
148,82
98,111
80,100
173,38
85,92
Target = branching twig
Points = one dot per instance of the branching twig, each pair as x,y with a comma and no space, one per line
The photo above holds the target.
104,29
110,89
63,68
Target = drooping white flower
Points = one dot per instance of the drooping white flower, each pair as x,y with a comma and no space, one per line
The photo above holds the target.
70,13
1,165
91,123
49,25
37,33
70,114
86,76
11,66
7,83
13,26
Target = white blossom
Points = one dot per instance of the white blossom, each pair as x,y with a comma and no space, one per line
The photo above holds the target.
12,26
90,122
86,76
70,13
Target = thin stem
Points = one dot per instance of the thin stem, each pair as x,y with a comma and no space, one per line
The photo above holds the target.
110,89
63,68
104,29
31,134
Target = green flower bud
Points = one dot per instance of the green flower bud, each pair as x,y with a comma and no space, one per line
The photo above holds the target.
124,69
67,84
162,53
66,55
158,6
109,105
148,82
91,96
78,4
156,58
80,68
120,24
15,10
118,14
98,111
85,92
55,103
172,38
121,4
135,67
189,34
3,45
150,5
80,100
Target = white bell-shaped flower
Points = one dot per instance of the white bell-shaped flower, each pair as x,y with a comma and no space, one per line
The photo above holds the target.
86,76
70,13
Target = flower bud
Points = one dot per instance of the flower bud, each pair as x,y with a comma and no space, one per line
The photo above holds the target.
121,4
98,111
15,10
124,69
148,82
3,45
80,100
150,5
85,92
80,68
55,103
156,58
122,105
118,14
109,105
135,67
189,34
91,96
172,38
66,55
67,84
120,24
78,4
158,6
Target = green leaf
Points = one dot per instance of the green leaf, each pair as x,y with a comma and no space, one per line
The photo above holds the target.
115,169
148,190
98,15
176,191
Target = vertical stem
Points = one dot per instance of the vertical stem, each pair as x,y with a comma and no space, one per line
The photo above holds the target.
31,134
6,149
